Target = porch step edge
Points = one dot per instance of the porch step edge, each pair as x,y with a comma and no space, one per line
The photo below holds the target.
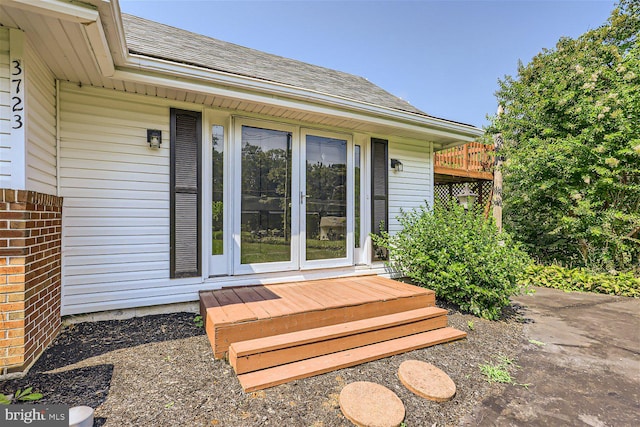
323,333
262,353
270,377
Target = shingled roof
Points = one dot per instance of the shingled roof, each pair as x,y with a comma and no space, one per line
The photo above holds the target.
157,40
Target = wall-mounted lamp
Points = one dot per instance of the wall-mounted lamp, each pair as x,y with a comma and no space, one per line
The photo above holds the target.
154,138
467,198
396,164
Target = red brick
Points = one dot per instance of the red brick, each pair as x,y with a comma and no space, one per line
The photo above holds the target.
17,206
14,333
12,342
14,306
12,360
17,316
17,261
4,289
13,269
15,297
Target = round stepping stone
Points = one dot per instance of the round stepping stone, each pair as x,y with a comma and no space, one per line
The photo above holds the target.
369,404
426,380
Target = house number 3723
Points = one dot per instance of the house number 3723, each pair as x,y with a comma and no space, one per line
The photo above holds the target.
17,103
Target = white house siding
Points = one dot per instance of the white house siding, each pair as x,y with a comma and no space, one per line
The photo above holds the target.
41,125
5,154
116,201
414,185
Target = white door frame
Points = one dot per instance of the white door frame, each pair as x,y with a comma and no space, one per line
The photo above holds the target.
333,262
362,254
230,262
293,263
217,264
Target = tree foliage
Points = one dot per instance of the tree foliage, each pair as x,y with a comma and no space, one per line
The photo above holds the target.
571,128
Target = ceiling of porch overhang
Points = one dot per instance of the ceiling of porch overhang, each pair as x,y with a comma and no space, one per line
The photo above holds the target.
56,43
63,45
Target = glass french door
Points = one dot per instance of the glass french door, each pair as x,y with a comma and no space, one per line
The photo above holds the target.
293,203
326,217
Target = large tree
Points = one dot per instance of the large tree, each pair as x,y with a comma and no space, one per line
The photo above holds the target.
571,127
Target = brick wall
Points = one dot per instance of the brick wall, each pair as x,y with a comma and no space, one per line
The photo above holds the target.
30,276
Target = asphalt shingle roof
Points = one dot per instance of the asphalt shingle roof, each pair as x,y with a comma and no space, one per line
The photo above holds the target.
162,41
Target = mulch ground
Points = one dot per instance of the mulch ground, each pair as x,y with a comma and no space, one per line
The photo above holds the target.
159,371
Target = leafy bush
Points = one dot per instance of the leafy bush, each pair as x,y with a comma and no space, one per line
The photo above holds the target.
579,279
458,254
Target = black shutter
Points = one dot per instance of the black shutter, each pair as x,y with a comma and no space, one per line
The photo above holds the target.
380,192
186,194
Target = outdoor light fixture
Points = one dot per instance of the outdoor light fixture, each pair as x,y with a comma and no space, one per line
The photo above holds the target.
467,198
396,164
154,138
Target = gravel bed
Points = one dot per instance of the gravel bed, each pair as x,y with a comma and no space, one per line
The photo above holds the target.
159,371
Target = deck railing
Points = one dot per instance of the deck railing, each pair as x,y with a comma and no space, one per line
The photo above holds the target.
470,157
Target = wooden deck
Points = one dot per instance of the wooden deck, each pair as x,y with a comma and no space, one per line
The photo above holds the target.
275,333
472,160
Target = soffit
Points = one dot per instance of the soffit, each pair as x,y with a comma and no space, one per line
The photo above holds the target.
61,44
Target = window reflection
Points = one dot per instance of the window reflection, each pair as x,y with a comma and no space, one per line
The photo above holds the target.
326,201
217,211
356,177
266,196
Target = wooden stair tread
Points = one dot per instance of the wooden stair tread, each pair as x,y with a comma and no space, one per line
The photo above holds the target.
298,338
318,365
264,360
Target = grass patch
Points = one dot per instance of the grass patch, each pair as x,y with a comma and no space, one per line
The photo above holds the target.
500,372
276,249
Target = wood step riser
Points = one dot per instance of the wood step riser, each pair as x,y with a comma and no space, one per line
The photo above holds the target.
309,336
253,362
270,377
221,336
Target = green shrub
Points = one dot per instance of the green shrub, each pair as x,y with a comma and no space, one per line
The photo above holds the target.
19,396
579,279
458,254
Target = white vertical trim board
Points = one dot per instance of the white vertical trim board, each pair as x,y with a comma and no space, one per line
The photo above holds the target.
17,109
411,187
41,117
5,117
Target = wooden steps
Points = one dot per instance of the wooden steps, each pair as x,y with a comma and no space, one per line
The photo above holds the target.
273,334
245,313
261,353
270,377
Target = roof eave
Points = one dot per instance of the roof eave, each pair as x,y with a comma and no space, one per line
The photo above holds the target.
87,17
125,61
220,78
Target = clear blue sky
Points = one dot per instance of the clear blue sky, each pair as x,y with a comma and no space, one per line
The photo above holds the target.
444,57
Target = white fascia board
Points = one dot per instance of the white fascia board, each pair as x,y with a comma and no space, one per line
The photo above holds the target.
300,104
61,10
208,77
100,47
115,31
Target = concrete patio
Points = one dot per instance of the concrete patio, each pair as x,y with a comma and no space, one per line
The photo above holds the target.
586,373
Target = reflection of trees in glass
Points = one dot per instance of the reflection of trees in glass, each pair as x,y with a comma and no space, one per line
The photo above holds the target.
356,180
266,195
326,203
217,218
